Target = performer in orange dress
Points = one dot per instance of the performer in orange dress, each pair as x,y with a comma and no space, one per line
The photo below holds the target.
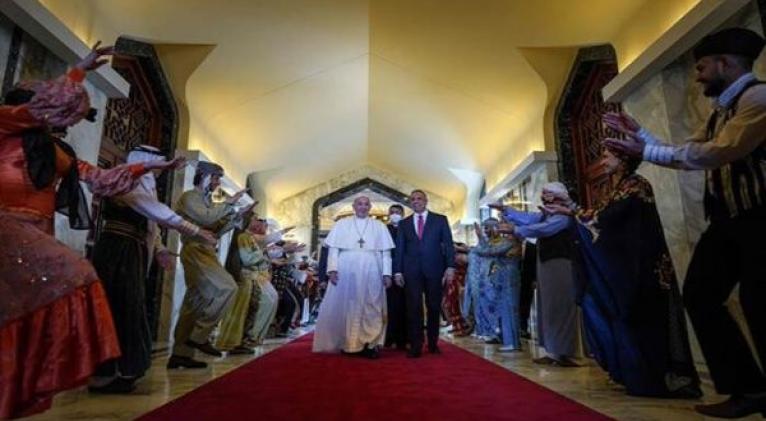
55,323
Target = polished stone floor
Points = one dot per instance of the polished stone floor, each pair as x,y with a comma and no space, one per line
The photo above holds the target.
587,385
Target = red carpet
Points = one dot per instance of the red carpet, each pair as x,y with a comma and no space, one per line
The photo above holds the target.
292,383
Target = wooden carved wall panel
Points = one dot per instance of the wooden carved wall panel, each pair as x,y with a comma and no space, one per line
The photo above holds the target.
579,125
134,120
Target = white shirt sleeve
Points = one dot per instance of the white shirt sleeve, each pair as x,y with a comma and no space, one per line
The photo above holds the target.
145,203
386,258
332,260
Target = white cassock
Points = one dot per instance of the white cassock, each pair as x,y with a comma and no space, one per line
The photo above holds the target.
353,312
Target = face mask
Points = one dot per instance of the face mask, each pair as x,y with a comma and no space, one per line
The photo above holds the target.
395,218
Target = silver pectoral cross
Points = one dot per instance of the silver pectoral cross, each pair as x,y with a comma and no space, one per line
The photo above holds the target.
361,243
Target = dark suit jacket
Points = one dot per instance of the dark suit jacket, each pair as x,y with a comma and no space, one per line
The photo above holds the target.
430,256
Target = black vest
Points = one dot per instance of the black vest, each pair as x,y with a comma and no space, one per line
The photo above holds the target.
736,189
557,246
123,220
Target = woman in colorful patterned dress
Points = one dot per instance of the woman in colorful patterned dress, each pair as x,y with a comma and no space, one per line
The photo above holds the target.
632,308
55,322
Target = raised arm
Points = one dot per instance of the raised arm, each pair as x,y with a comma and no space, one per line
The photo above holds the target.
548,227
518,217
193,206
145,203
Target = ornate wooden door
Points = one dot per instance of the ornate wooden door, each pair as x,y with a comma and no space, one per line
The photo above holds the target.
128,122
588,131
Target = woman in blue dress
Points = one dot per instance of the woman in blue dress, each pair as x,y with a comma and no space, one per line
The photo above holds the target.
497,285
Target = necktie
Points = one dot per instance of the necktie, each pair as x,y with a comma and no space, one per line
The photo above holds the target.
420,227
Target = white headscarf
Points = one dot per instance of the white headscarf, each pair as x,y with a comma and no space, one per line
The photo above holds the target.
146,153
556,187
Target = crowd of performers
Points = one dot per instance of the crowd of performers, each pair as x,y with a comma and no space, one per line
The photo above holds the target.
66,321
603,279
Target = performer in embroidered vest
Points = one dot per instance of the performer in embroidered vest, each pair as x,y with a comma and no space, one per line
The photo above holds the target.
352,316
732,152
129,241
557,318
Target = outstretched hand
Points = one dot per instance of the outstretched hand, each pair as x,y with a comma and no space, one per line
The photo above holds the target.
622,123
173,164
631,146
96,58
556,209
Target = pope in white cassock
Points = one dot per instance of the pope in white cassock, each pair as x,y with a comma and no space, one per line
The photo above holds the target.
352,316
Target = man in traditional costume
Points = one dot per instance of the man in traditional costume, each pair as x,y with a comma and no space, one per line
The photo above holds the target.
210,288
556,287
55,323
255,305
129,241
730,253
352,316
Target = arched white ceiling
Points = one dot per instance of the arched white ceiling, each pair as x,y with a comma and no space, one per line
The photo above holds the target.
309,89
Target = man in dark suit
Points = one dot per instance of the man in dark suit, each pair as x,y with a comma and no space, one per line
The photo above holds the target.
423,263
396,330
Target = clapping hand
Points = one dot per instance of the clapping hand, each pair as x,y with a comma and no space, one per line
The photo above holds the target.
556,209
622,123
631,146
95,59
333,277
627,126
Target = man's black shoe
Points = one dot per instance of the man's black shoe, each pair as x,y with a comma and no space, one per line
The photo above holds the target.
206,348
413,353
118,386
433,349
177,361
734,407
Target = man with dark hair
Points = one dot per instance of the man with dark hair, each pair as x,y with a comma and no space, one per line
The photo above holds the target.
731,150
210,289
424,263
396,330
